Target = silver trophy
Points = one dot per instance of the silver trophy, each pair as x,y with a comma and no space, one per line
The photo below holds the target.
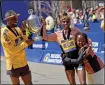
34,25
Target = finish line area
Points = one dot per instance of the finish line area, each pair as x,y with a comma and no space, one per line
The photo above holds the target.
46,65
43,57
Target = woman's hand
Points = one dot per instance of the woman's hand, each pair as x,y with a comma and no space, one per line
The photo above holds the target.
88,50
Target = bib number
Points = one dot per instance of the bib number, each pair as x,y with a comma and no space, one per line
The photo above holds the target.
68,45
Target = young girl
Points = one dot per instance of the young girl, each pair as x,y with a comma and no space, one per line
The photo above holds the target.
92,63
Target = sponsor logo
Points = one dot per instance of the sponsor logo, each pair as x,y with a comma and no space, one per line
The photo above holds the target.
46,45
95,46
40,45
52,58
95,49
102,51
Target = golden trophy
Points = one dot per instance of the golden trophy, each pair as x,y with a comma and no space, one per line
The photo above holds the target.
34,25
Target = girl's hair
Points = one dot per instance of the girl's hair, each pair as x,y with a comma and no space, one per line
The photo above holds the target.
65,18
83,34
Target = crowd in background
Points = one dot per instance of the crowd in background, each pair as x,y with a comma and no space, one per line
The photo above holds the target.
77,15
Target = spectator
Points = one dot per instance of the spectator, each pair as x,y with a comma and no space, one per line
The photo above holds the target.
94,14
102,13
103,25
94,17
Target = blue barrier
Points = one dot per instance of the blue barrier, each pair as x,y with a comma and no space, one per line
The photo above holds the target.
18,6
94,27
97,41
1,51
49,52
34,55
49,56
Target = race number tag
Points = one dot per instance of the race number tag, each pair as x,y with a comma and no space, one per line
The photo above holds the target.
68,45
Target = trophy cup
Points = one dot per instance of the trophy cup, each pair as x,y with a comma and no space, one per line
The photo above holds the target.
34,25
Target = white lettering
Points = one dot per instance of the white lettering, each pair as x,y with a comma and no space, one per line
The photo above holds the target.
55,56
52,58
95,49
95,44
46,45
102,51
54,61
37,45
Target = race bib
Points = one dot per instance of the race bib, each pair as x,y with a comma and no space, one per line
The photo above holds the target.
68,45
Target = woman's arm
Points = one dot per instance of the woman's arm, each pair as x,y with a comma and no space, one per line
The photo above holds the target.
50,37
89,47
79,59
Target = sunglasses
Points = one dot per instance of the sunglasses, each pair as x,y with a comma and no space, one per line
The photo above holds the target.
66,21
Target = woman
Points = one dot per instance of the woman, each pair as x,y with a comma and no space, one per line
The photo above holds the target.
64,36
92,62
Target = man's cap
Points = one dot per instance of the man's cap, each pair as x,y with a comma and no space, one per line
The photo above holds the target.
9,14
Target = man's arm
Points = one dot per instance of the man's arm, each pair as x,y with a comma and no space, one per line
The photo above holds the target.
11,48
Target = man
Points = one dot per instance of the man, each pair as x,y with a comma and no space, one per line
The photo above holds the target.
14,42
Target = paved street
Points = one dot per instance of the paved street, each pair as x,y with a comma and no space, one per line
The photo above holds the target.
47,74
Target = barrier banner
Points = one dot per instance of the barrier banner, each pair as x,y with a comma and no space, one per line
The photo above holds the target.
52,57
